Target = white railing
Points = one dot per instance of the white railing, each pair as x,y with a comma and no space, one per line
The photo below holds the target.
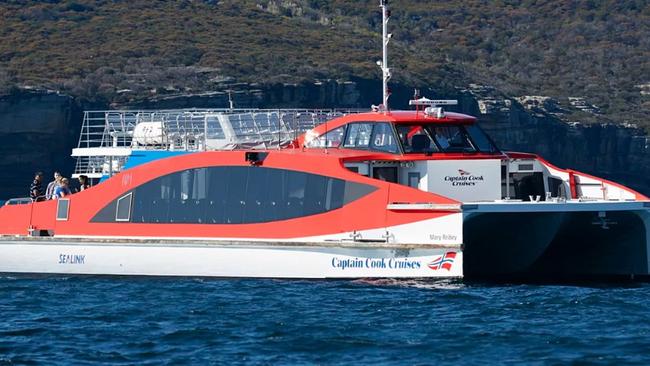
103,133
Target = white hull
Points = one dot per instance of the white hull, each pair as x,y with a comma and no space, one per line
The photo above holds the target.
227,259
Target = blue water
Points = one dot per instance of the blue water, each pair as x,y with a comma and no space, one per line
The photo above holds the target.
103,320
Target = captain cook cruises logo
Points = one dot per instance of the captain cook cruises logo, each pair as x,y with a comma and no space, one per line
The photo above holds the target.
464,178
443,262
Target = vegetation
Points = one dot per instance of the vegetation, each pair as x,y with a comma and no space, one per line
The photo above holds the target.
118,50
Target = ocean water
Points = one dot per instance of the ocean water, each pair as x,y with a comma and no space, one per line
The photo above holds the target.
105,320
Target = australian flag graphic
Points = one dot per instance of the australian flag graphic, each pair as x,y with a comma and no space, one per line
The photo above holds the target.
443,262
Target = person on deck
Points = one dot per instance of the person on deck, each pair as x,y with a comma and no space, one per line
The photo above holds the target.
36,188
83,183
49,192
63,189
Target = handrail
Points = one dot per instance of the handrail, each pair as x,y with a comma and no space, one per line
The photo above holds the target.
188,130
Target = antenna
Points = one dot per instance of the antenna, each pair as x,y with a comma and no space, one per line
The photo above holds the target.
383,64
231,103
433,108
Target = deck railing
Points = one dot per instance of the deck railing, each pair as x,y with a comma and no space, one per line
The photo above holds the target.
189,130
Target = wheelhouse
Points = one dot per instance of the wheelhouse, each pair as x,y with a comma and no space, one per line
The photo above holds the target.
449,154
415,135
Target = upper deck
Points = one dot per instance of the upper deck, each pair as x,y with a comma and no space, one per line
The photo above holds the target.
109,138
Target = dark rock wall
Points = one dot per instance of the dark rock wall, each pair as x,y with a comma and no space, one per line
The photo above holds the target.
37,132
39,129
615,152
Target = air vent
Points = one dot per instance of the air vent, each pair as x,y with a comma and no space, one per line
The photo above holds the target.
523,167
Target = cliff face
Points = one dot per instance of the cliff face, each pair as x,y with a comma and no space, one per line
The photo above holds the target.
39,129
617,152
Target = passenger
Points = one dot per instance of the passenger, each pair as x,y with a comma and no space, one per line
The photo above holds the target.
62,190
83,182
36,188
49,192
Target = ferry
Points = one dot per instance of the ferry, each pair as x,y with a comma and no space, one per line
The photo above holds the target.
423,193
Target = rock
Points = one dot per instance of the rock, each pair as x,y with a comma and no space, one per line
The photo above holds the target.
38,129
532,124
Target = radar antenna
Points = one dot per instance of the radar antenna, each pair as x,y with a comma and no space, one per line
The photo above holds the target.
231,103
383,64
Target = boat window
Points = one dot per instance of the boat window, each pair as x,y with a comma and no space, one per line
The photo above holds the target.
62,209
232,195
331,139
378,136
358,135
414,179
383,138
480,139
415,139
451,138
123,212
387,174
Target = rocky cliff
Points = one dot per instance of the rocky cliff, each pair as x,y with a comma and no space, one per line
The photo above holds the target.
620,152
38,129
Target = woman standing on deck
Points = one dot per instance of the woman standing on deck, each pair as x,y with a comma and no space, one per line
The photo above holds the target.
83,183
63,189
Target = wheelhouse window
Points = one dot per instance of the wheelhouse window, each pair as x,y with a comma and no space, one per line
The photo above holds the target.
417,139
451,138
378,136
232,195
383,138
480,139
358,135
331,139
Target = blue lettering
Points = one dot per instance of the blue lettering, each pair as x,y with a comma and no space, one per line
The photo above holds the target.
72,259
403,264
343,264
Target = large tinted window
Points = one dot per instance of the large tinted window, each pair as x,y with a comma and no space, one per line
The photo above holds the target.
451,138
443,138
235,195
415,139
480,139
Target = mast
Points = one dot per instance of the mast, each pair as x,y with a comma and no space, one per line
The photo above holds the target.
383,64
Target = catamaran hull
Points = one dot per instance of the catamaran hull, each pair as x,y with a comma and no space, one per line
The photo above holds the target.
606,240
257,260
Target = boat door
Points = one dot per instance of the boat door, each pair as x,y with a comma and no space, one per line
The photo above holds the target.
369,217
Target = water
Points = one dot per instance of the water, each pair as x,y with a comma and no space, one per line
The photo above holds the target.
104,320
